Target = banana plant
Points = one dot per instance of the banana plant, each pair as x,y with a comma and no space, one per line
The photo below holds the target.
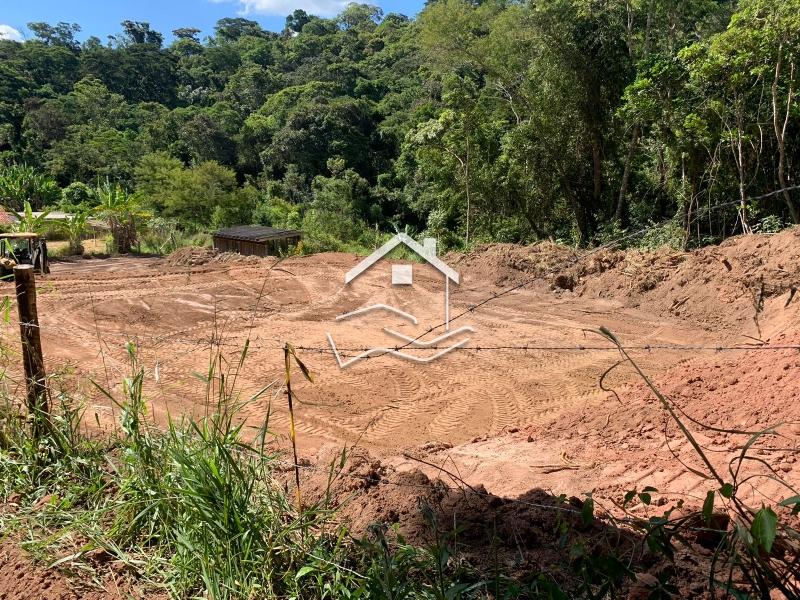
21,184
75,227
28,222
121,210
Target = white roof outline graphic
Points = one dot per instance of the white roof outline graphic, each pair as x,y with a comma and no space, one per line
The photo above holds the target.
400,238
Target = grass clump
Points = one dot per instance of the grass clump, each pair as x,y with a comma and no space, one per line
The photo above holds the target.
193,510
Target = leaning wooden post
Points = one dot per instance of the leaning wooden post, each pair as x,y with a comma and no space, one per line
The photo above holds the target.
33,361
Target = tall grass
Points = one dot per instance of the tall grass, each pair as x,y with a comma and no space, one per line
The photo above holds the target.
193,509
201,498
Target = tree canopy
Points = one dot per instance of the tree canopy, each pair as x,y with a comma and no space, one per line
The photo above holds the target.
476,121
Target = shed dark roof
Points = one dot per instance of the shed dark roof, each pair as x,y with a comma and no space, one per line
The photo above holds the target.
253,233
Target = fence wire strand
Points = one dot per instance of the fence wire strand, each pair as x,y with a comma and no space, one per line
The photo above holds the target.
209,342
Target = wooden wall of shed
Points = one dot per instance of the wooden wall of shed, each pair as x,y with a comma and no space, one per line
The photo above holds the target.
248,248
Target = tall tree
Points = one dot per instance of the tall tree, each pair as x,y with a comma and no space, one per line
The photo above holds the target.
61,34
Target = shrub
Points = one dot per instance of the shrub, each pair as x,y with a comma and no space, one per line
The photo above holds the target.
163,236
279,213
20,184
669,234
76,197
769,224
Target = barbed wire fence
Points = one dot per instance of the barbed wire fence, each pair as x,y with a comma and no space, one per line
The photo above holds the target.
460,486
206,342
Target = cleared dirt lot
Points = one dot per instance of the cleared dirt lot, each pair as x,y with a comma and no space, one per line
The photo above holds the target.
515,418
173,314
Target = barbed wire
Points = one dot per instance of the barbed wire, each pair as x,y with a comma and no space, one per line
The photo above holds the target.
204,343
790,188
527,347
698,214
576,348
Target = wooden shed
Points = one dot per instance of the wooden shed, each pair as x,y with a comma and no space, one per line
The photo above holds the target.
255,240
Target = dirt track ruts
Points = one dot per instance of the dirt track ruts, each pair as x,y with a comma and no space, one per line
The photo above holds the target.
172,313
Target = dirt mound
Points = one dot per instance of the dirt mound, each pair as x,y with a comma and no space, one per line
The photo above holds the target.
20,579
718,287
367,492
193,256
510,264
723,400
528,534
714,287
724,289
745,391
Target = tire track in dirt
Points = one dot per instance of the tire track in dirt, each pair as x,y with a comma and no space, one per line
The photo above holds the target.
452,416
387,403
405,408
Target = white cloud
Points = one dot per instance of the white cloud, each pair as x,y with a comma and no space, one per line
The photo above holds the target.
7,32
281,8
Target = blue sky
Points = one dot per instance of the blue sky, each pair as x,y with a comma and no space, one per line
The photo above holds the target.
102,18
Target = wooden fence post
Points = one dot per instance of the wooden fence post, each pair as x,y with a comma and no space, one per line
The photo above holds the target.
33,361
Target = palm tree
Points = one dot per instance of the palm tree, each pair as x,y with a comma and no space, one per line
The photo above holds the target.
120,210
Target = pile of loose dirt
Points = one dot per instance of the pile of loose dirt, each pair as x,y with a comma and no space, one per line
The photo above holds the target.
510,264
526,535
367,492
717,287
193,256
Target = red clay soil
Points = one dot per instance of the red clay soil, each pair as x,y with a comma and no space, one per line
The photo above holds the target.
21,579
614,443
509,423
90,309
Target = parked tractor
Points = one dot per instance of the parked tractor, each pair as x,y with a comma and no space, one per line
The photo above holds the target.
24,248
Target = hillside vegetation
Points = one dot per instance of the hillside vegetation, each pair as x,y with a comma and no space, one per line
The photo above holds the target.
477,121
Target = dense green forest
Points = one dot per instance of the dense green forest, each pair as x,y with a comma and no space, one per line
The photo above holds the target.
499,120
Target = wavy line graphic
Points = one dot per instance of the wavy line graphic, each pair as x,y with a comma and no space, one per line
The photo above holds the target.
366,309
397,353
